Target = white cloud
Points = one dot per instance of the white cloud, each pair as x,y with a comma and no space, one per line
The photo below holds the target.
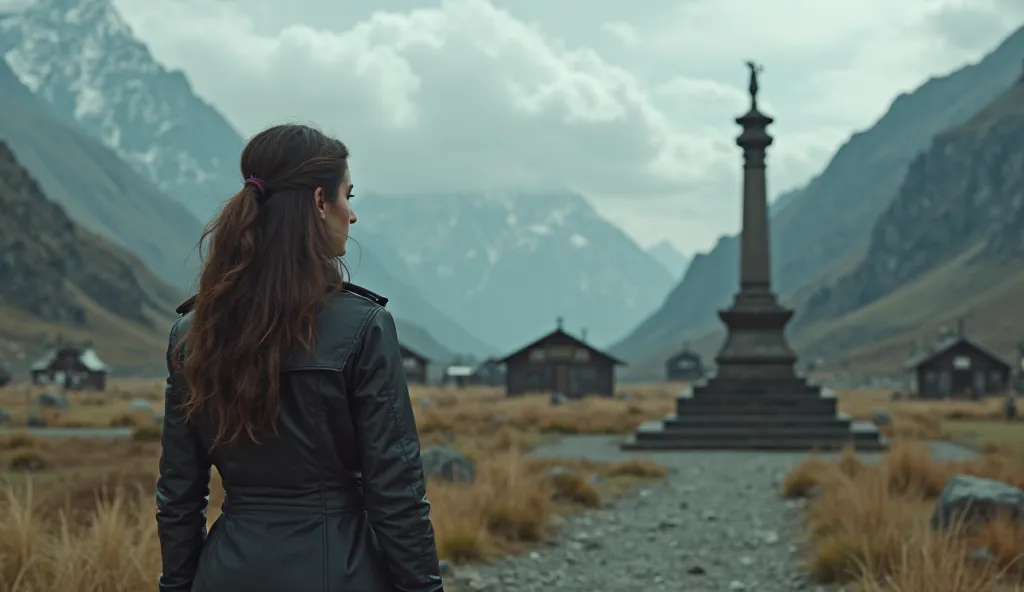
633,110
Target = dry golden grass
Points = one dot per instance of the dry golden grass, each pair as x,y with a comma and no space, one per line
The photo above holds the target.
922,419
869,524
85,522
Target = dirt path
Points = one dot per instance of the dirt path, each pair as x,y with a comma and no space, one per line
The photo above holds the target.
714,524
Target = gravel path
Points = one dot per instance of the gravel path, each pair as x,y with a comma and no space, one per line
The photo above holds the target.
714,524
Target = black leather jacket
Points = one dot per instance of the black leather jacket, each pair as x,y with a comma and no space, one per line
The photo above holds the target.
336,502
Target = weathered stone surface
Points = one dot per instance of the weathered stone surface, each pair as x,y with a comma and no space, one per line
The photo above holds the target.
973,499
52,399
447,465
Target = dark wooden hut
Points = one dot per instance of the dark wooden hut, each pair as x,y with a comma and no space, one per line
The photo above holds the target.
71,366
415,365
559,362
957,367
686,365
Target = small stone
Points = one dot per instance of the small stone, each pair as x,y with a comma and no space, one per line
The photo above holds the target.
696,570
737,585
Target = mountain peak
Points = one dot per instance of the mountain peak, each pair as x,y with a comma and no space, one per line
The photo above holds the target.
83,59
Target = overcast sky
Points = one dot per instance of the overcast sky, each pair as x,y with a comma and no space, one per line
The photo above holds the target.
630,103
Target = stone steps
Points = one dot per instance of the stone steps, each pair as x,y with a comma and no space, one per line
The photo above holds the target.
751,421
774,444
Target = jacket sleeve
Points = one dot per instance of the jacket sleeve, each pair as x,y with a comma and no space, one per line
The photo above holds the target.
182,489
393,480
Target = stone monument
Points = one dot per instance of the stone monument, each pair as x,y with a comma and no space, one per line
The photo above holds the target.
756,401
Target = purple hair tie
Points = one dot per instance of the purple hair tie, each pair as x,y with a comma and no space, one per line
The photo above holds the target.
258,183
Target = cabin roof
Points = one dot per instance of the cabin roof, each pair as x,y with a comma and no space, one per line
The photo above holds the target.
87,356
947,344
562,334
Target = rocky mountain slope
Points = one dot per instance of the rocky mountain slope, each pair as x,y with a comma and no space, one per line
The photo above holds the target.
508,266
824,229
960,209
83,60
59,279
674,262
95,187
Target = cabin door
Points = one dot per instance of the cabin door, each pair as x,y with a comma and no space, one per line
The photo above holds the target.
562,380
980,386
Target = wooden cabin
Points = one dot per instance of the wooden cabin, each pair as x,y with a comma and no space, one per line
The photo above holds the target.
957,367
415,365
71,366
686,365
559,362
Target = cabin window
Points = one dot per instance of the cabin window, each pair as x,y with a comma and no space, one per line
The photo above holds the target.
995,377
962,363
409,363
538,355
581,355
685,364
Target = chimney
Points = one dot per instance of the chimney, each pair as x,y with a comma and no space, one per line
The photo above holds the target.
558,322
583,334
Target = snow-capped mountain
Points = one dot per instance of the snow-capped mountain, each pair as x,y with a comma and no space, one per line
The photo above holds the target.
82,59
502,267
507,266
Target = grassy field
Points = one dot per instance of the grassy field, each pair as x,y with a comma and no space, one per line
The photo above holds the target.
78,514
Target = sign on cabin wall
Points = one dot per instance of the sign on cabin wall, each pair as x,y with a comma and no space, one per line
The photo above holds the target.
560,353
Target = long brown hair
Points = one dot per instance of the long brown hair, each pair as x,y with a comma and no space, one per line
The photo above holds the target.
269,265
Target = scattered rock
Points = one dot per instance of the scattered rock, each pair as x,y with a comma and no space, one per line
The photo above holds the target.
5,417
881,418
973,499
557,399
447,465
425,403
52,399
35,421
140,405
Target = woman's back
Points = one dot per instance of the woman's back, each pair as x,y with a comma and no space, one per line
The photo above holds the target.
329,495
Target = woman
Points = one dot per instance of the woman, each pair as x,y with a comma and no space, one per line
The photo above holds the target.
290,382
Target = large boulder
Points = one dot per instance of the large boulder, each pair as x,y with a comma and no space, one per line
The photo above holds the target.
973,500
447,465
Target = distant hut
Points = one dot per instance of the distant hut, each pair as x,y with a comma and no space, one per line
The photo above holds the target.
458,375
415,365
490,372
686,365
957,367
560,363
71,366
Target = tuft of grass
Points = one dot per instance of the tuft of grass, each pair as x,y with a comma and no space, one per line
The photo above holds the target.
868,525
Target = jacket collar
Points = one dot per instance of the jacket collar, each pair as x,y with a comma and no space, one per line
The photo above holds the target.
189,305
